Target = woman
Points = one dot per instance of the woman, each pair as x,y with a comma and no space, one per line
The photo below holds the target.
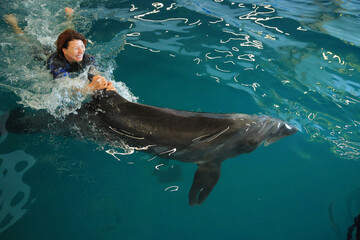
70,57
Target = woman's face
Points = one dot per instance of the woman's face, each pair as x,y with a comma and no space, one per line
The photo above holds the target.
75,51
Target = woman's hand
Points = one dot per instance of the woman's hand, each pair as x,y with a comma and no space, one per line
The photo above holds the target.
98,83
69,11
110,87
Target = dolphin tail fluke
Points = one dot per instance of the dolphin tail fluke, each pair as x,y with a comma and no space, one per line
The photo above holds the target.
205,179
3,132
25,120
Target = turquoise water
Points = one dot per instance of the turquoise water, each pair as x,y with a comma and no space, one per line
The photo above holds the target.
294,60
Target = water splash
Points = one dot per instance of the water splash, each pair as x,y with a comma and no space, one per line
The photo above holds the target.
23,67
275,54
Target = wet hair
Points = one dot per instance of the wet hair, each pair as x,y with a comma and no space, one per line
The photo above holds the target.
65,37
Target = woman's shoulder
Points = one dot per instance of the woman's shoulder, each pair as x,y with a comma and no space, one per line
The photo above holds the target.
56,59
88,59
88,56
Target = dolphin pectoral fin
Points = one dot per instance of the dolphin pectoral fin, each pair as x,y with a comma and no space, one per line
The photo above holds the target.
205,179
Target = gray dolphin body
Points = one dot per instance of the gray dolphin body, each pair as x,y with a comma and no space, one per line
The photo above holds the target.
206,139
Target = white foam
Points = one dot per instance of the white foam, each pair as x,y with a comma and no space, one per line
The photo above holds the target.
30,80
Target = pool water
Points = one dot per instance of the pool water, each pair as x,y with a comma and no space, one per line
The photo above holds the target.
293,60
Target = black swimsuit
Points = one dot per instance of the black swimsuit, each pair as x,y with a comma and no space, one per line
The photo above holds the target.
60,67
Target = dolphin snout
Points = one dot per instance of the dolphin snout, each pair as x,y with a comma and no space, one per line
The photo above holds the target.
281,130
287,129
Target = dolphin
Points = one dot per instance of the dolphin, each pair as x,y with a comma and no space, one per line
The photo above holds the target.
206,139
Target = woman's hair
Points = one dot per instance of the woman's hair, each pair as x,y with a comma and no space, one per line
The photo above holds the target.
66,36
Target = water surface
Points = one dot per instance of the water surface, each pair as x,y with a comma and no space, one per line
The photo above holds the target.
294,60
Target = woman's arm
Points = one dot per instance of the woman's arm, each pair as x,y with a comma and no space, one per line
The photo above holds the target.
69,17
12,21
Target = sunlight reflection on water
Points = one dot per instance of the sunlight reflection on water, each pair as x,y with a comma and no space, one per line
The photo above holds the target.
297,60
235,44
